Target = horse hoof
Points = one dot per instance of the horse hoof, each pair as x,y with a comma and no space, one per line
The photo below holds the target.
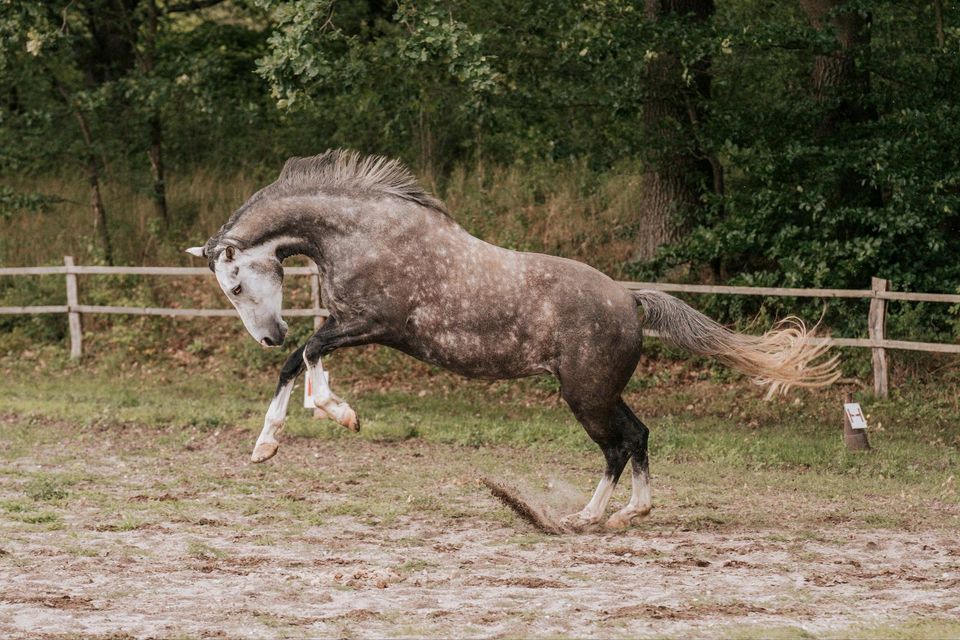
577,523
264,451
616,522
351,421
624,519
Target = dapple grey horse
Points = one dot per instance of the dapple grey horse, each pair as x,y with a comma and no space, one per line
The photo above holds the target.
397,270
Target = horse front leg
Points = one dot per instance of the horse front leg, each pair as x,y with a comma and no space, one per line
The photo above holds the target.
267,443
333,335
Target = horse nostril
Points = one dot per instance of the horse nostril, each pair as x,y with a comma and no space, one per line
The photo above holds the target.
267,342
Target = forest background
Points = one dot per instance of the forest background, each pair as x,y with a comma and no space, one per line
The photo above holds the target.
808,143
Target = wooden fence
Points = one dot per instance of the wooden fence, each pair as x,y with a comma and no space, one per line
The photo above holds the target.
879,295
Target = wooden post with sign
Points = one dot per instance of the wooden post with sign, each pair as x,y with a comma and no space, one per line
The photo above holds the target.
854,426
877,325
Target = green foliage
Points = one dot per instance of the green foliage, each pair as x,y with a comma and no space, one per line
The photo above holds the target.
25,291
12,202
876,195
389,78
820,187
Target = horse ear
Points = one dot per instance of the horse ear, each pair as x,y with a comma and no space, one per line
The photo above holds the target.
199,252
228,253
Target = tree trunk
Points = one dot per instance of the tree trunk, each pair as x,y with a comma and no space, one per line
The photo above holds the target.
836,76
677,173
93,178
99,212
155,151
93,172
938,16
843,88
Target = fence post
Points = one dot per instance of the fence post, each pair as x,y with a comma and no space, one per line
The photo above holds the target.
877,326
315,297
73,317
318,320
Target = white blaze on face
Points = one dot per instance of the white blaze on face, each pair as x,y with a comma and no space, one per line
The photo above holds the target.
251,281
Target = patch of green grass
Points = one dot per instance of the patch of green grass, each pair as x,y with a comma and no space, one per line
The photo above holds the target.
80,551
264,540
129,522
45,488
766,632
272,620
381,431
926,628
412,566
44,517
14,506
203,551
299,511
369,509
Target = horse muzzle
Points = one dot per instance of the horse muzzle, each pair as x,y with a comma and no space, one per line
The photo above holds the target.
275,339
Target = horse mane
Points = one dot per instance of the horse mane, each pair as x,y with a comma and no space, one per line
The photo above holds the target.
335,170
347,170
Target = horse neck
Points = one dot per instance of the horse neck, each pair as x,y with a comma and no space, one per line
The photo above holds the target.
332,230
293,226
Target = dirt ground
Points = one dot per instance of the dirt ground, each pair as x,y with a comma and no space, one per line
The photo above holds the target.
124,530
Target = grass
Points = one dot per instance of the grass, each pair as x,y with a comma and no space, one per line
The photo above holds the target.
412,566
202,551
40,518
704,432
927,628
43,488
915,434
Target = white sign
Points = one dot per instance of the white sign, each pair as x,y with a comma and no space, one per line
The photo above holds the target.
855,415
308,389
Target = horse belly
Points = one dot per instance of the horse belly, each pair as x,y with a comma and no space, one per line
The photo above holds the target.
491,355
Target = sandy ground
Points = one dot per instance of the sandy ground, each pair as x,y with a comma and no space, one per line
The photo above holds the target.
176,534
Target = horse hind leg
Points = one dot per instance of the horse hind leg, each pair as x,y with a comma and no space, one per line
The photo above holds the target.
602,427
332,335
329,404
640,503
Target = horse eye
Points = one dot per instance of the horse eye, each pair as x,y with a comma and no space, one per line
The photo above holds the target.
236,290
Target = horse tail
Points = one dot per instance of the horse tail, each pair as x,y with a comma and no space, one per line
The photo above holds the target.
782,357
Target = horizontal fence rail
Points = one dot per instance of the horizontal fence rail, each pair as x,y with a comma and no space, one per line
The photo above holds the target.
70,269
878,295
787,292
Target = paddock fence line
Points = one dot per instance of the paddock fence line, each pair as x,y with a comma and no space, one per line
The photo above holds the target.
879,295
